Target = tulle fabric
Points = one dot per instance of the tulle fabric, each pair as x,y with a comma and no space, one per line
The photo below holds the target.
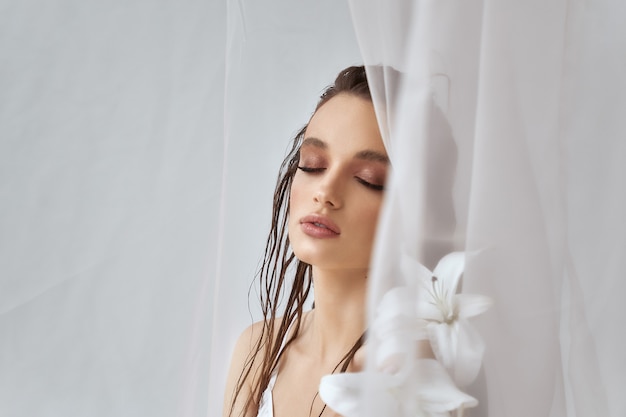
503,118
139,147
110,170
139,144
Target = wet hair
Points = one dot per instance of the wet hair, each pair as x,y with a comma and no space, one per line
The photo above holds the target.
280,263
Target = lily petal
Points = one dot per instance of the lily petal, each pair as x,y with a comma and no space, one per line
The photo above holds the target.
412,269
397,338
459,348
343,393
469,355
396,302
449,270
426,308
470,305
438,392
444,342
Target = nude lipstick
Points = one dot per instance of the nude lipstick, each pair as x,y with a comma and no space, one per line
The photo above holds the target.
320,227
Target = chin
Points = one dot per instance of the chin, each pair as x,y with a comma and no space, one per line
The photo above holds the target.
328,260
307,257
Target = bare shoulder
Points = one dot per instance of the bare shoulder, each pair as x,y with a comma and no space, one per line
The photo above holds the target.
247,340
245,347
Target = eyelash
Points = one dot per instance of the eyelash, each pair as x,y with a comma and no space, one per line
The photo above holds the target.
367,184
311,170
374,187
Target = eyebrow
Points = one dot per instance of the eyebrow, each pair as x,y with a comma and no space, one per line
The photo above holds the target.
318,143
370,155
367,154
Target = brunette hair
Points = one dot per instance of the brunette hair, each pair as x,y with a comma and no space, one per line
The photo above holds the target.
279,261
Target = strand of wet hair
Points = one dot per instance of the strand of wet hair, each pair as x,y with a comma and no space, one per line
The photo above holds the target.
346,360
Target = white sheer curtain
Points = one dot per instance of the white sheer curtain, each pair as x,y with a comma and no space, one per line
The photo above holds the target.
110,130
533,97
139,144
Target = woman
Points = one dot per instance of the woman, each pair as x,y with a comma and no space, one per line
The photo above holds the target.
328,196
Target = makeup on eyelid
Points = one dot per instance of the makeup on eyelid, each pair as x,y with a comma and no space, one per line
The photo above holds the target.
372,183
367,161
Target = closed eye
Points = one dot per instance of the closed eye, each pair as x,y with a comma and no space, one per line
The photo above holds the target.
310,170
375,187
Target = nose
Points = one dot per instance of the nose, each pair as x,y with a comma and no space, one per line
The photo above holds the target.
330,192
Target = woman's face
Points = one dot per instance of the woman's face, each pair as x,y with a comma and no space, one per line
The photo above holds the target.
337,190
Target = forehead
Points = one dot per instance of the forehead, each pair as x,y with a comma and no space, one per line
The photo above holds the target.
346,123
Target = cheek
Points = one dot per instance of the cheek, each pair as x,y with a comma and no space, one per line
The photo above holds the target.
300,191
296,202
368,219
373,219
295,195
372,207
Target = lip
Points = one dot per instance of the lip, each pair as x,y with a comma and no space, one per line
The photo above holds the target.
319,226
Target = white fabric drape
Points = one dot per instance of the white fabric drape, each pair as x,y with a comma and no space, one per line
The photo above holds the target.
532,96
110,130
139,145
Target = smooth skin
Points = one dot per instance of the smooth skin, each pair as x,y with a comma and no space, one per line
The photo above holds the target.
343,167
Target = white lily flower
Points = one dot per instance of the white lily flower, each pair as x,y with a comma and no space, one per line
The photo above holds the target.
455,342
425,391
403,383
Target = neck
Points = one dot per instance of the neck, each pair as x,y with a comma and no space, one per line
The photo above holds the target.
338,319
